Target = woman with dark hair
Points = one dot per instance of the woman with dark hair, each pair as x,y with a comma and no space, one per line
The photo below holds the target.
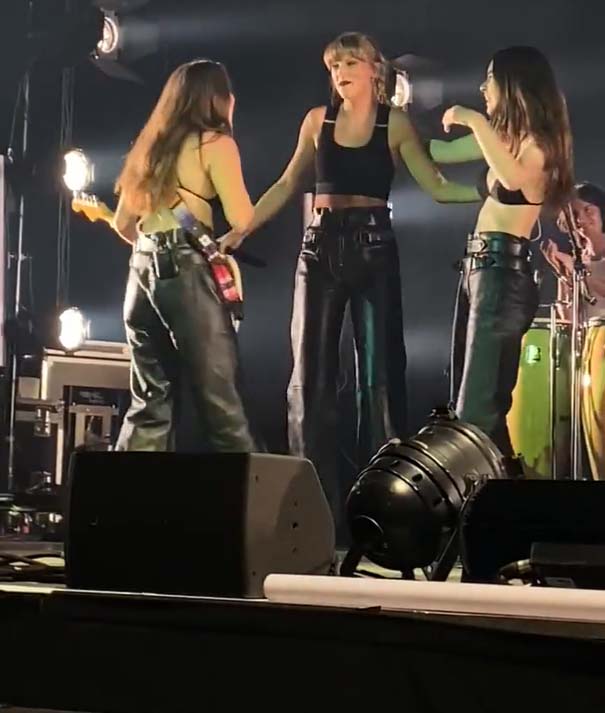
588,207
183,159
349,256
526,142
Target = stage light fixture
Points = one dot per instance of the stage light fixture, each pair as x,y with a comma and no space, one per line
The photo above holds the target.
74,329
415,82
110,40
400,89
79,170
404,509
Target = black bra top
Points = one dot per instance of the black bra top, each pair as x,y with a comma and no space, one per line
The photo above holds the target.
354,171
499,193
210,201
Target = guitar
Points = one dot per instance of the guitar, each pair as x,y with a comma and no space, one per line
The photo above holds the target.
226,272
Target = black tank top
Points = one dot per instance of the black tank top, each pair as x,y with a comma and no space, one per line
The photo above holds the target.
364,171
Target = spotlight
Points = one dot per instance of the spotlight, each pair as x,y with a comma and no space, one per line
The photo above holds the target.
404,509
399,88
415,81
74,329
79,170
107,46
127,36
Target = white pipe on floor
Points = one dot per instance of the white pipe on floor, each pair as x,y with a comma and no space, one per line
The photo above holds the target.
450,597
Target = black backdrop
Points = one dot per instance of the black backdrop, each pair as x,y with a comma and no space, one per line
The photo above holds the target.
273,52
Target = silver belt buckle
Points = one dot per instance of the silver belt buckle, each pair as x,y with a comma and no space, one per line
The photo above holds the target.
476,245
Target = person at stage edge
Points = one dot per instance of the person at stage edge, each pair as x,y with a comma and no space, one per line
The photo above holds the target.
349,256
588,207
176,322
526,142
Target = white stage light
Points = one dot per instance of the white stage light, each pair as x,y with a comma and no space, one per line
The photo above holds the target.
109,42
79,170
74,329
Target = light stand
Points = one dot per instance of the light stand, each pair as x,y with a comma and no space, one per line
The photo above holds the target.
16,307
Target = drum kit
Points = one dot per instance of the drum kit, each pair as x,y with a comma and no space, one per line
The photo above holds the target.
560,390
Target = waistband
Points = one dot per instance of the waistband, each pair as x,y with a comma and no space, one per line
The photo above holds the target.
377,217
493,242
152,242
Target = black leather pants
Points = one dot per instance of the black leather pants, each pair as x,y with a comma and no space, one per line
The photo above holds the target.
348,257
176,324
496,303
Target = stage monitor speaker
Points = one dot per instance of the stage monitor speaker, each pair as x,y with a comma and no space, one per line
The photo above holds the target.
505,518
196,524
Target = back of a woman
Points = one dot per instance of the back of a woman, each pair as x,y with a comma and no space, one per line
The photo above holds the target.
176,316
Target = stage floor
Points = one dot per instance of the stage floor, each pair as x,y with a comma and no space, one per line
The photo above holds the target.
104,652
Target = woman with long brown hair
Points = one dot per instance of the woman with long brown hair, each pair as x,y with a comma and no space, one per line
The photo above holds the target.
526,141
176,322
349,256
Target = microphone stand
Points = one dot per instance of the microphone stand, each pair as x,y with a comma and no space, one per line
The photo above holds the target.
580,294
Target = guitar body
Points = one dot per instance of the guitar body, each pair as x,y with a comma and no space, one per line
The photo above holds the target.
226,272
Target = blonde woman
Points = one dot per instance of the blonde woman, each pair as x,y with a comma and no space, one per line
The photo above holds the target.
349,256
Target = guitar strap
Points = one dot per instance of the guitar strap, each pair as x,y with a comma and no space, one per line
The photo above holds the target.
223,267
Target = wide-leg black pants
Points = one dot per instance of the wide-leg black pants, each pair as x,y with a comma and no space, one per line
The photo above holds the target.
179,325
348,257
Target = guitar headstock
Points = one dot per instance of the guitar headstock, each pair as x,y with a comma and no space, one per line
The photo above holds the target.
91,207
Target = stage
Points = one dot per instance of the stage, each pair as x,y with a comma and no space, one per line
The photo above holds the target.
107,652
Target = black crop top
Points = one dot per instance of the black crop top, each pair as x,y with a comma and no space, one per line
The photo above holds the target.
499,193
354,171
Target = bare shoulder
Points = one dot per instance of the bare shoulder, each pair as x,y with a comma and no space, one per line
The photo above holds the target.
216,138
314,118
531,152
213,143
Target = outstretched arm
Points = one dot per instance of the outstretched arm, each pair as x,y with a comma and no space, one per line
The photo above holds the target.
514,173
459,150
278,194
424,171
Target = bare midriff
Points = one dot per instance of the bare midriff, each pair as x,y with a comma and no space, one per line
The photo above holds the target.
327,200
517,220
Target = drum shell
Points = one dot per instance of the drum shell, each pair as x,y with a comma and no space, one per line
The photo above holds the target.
593,396
529,418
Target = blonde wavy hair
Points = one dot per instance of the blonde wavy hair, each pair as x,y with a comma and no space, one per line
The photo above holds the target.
364,48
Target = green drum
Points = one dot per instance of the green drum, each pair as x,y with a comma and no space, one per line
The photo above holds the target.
529,418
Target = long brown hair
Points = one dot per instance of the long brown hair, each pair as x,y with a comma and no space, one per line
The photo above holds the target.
531,104
360,46
194,99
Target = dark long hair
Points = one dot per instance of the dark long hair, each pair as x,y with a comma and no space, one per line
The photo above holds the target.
194,99
593,194
531,104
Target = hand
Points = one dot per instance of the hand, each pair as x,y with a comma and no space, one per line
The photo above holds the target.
561,262
230,241
459,115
